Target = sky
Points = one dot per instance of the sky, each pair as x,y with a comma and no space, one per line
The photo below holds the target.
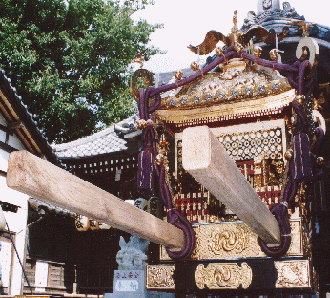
187,22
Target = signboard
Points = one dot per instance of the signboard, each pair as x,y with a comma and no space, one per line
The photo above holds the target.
129,281
41,276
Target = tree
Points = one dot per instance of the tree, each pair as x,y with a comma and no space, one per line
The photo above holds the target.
69,60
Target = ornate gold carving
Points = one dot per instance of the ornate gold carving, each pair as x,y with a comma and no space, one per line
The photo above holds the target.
268,105
234,84
195,66
293,274
227,241
223,276
160,277
234,240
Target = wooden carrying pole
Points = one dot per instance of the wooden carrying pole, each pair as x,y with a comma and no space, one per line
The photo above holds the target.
207,161
42,180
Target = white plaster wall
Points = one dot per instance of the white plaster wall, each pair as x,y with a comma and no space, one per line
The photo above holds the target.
17,221
15,142
3,121
2,133
13,139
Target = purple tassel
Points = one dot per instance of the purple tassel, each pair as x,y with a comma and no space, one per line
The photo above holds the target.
145,175
302,167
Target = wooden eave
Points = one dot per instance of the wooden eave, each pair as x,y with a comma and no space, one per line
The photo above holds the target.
21,123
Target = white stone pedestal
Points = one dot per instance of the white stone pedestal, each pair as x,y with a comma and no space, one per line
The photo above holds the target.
132,284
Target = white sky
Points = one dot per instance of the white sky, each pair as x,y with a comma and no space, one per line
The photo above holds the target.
187,22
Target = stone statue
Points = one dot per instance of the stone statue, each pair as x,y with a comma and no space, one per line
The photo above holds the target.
132,255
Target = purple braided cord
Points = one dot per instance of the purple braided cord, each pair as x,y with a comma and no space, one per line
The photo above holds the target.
280,210
176,218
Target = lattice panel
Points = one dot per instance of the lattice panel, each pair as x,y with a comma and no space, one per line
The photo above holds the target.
250,145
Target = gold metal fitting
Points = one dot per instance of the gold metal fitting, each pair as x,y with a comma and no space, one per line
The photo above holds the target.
273,54
178,75
150,122
257,51
239,48
288,154
300,99
219,51
195,66
161,159
316,104
141,124
320,160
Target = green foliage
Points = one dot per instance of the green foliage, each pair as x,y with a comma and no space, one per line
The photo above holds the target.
68,60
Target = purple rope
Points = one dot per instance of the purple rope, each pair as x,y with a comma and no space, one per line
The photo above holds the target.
280,210
177,219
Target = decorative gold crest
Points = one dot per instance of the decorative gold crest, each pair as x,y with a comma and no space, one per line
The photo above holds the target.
234,240
223,276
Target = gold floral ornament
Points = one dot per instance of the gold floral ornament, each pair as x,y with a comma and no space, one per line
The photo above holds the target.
288,154
161,158
300,100
219,51
141,124
164,144
257,51
239,48
195,66
178,75
274,54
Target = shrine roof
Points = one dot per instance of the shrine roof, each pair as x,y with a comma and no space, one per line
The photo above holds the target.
109,140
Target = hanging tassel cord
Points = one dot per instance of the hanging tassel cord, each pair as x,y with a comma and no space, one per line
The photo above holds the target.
280,211
299,169
176,218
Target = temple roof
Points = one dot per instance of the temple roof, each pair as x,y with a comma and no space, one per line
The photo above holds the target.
110,140
278,19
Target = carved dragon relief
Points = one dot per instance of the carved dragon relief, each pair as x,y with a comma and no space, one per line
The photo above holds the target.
292,274
160,277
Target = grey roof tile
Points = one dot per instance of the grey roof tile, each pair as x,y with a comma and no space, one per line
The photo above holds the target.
109,140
